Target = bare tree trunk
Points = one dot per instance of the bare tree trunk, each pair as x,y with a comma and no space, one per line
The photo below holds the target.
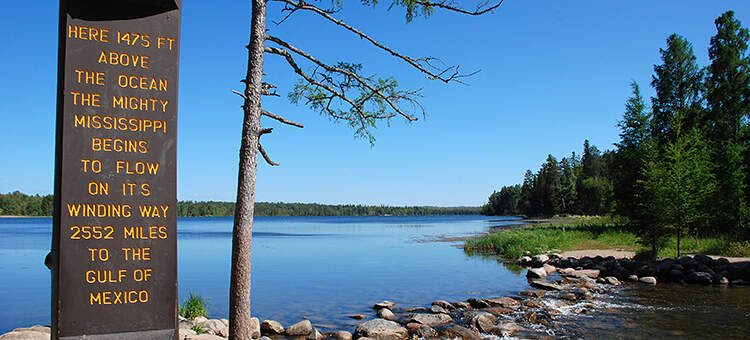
239,286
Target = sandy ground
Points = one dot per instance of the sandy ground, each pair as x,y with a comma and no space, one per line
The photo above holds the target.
617,253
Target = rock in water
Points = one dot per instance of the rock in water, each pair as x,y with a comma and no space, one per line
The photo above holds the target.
461,304
477,303
508,328
357,316
342,335
612,280
648,280
502,302
431,319
381,329
384,304
445,304
386,313
315,335
302,328
271,327
438,309
536,273
484,321
499,310
699,277
456,331
545,285
426,332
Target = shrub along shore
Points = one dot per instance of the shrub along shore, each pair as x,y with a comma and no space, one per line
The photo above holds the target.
576,233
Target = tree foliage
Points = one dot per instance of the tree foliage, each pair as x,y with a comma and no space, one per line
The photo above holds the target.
680,166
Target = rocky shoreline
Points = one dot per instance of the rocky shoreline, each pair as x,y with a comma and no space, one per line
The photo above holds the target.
560,289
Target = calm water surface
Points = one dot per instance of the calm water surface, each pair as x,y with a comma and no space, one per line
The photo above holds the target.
326,268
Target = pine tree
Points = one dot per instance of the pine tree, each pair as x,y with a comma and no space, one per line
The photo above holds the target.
727,98
630,159
677,82
680,184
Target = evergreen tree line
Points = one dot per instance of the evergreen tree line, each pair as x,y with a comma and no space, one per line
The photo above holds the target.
190,208
681,166
575,185
19,204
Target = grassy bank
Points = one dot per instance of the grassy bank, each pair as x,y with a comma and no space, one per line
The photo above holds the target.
593,233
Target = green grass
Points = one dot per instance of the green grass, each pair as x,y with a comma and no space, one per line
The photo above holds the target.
198,329
194,306
722,245
593,233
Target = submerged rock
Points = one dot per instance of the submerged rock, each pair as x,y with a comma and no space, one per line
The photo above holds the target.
381,329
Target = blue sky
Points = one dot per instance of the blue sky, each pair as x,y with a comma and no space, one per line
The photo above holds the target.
553,73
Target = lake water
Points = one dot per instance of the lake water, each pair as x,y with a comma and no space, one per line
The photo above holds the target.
325,268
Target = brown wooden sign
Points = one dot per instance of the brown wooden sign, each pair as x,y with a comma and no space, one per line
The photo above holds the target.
114,244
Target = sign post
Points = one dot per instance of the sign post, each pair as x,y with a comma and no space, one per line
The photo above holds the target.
114,244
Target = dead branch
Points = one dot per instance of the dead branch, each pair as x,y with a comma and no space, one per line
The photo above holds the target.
281,119
265,156
274,116
345,72
422,64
